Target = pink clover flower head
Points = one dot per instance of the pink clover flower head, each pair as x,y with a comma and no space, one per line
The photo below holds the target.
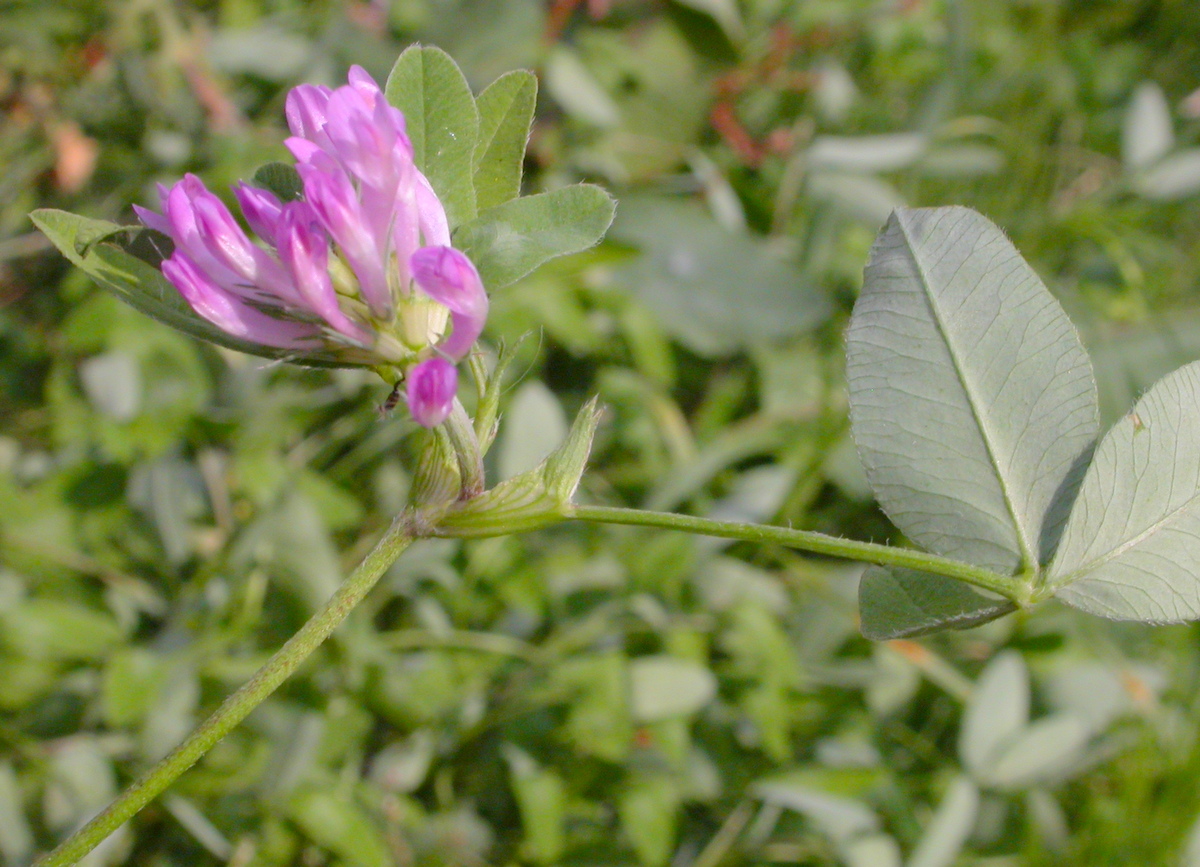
359,268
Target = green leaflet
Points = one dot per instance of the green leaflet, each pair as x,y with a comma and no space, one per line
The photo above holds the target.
510,240
1131,546
443,124
505,115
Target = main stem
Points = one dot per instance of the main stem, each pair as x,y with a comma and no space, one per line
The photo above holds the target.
1013,588
235,708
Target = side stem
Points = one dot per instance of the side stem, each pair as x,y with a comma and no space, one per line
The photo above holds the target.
1010,587
235,708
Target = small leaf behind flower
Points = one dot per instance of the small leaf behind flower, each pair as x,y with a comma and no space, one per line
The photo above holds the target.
510,240
281,179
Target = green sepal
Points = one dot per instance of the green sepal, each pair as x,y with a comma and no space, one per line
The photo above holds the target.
564,468
487,413
437,479
535,499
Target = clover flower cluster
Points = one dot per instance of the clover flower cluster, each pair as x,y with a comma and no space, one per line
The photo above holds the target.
361,266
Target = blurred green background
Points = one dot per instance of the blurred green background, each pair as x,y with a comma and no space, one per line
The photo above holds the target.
170,513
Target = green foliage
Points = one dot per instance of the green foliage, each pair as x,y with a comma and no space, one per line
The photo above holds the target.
687,265
339,826
998,744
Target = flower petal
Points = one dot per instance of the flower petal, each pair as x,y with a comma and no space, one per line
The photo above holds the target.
447,276
303,150
304,251
230,313
153,219
261,209
335,202
258,275
362,138
432,216
305,110
180,209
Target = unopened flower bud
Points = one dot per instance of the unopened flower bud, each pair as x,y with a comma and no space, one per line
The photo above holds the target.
432,385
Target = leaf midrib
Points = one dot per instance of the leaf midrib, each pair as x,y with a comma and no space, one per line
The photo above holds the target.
1028,561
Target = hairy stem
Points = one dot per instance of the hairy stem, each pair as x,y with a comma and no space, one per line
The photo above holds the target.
235,708
1014,588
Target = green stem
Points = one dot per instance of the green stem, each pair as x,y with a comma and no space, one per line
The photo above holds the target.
235,708
1013,588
